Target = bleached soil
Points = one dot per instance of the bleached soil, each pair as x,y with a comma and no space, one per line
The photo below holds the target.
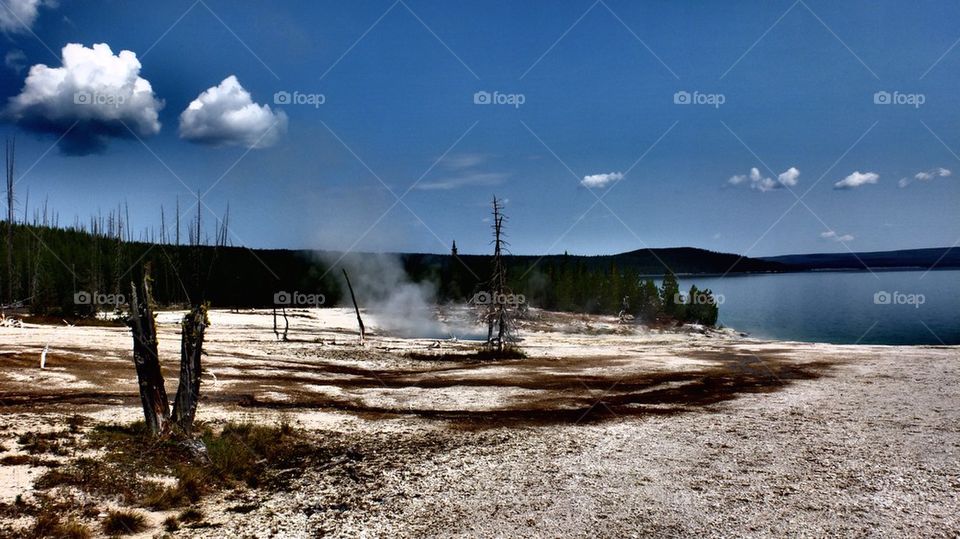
604,431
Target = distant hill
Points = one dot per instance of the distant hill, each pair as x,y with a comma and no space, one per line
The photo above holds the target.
940,258
681,260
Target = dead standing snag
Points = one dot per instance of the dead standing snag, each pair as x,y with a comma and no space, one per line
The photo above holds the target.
153,395
193,326
355,306
497,311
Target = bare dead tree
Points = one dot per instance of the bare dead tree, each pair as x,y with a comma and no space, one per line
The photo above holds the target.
193,331
9,152
177,213
355,306
193,327
496,312
153,394
286,324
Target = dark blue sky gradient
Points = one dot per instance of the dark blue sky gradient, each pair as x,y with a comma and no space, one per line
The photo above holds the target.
593,104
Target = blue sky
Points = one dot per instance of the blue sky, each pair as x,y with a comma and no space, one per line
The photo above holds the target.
597,81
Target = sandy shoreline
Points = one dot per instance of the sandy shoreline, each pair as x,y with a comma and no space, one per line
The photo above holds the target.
605,431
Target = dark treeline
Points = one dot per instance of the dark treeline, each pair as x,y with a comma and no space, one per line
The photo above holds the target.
54,268
64,272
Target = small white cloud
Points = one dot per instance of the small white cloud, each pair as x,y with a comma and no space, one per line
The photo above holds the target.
931,174
832,235
463,160
95,96
225,115
465,180
601,180
18,16
857,179
762,183
15,60
789,177
925,176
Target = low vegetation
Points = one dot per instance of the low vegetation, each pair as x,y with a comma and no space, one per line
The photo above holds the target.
131,465
124,522
484,354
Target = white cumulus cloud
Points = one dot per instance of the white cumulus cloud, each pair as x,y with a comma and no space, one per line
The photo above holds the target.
857,179
18,16
601,180
96,95
832,235
225,115
787,178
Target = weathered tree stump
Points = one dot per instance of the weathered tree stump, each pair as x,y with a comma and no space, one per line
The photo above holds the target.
153,395
193,326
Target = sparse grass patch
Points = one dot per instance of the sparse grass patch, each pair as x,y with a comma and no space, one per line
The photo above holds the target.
45,525
74,423
97,477
484,354
246,452
238,454
73,530
124,522
191,515
171,524
37,443
31,460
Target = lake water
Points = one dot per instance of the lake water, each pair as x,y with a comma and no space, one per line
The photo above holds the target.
889,307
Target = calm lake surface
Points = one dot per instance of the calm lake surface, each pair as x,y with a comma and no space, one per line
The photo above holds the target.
889,307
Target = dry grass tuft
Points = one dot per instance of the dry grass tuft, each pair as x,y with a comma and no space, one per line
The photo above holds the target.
124,522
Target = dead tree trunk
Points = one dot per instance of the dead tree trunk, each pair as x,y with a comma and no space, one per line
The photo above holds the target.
497,309
275,332
286,324
153,394
193,327
9,163
355,306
